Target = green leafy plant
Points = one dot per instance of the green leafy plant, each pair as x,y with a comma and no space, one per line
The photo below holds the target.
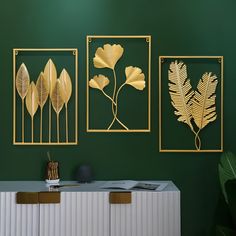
227,170
107,57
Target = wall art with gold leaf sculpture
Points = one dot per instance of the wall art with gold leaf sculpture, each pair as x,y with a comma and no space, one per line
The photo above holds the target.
118,83
45,96
191,103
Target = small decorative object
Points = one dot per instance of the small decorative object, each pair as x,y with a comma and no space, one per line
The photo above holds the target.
84,174
52,171
195,108
45,90
112,85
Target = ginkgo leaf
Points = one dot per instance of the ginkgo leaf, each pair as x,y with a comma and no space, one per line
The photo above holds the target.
108,56
50,74
22,81
135,77
66,85
32,99
43,89
181,92
99,82
57,97
203,108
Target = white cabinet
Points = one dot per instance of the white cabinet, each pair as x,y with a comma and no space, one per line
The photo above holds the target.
87,211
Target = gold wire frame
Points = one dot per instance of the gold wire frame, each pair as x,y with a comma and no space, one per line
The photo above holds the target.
161,60
148,40
74,52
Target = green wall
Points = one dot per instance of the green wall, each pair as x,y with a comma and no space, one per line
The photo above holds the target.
204,27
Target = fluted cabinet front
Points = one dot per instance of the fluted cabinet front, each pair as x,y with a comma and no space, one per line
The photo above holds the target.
78,214
17,219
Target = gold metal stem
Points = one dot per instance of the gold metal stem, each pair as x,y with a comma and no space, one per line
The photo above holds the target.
66,123
116,111
58,125
49,120
32,129
41,125
108,97
197,145
23,123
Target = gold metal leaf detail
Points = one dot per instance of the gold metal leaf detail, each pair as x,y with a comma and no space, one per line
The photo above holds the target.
99,82
204,109
22,81
135,77
108,56
66,85
181,92
50,74
32,99
43,89
57,97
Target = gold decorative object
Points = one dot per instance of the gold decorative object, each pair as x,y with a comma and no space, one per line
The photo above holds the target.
43,91
32,103
50,73
107,57
22,86
196,108
49,91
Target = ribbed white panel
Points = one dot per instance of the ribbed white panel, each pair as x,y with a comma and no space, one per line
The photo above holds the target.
78,214
150,214
17,219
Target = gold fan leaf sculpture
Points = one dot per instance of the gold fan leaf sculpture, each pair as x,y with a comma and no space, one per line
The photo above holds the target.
67,91
203,108
32,103
57,103
50,74
135,77
43,91
107,57
190,105
22,86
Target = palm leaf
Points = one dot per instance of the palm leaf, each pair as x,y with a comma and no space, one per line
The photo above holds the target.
181,92
66,85
57,103
203,108
32,101
227,170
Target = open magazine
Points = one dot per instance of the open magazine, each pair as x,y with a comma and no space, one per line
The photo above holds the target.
131,184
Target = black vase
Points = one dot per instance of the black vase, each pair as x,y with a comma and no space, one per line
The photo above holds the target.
84,174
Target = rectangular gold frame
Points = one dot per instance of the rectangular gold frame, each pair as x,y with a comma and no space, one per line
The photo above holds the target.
148,40
75,53
221,61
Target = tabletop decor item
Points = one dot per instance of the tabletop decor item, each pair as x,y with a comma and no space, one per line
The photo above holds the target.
195,106
50,97
52,171
113,75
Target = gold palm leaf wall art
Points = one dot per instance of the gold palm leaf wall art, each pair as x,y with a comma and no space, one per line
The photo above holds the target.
194,108
107,57
48,89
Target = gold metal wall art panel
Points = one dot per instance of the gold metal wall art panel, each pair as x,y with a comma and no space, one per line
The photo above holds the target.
45,96
118,83
191,103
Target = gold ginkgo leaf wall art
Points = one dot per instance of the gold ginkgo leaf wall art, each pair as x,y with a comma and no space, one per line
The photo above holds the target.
196,108
50,99
113,79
